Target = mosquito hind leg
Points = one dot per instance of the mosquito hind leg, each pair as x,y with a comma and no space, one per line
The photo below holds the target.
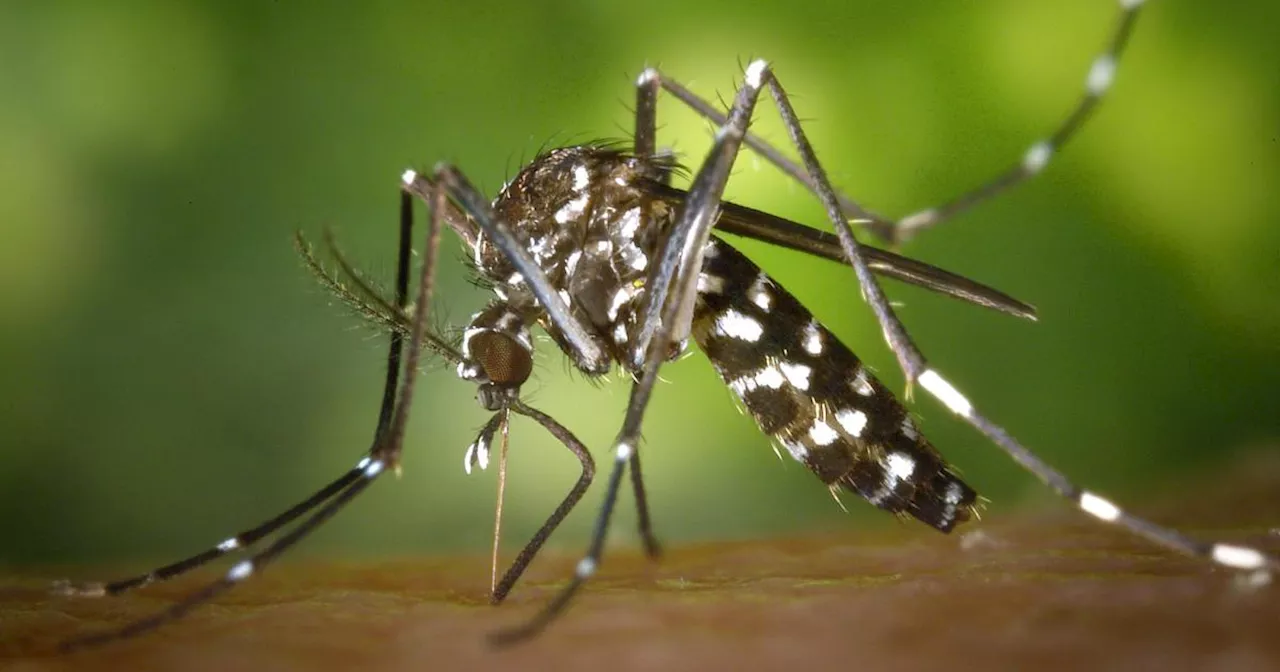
918,370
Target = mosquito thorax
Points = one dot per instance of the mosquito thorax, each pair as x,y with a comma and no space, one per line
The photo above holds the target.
586,217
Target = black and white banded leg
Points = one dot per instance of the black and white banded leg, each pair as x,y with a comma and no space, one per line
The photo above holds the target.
384,452
249,537
917,369
1098,81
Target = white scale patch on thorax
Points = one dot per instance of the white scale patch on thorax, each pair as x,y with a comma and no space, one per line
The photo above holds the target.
571,263
630,221
630,252
573,209
538,247
620,298
581,178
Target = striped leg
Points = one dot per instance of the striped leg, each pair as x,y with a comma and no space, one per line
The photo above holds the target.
230,545
1232,556
385,452
513,573
1098,81
918,370
1101,75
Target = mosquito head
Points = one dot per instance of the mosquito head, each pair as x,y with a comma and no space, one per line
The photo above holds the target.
506,361
497,353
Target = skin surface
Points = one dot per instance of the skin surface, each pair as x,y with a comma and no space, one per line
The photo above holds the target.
1046,591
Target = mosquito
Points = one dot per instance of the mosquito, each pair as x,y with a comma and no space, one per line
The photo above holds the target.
593,245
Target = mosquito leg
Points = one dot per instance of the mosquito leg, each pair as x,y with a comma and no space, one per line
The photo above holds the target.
909,357
652,547
585,568
918,370
403,249
880,225
387,445
238,572
384,452
253,535
1099,80
391,442
646,127
645,137
1231,556
571,500
231,544
1097,83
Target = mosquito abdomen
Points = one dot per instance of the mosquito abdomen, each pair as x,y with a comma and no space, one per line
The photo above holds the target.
813,396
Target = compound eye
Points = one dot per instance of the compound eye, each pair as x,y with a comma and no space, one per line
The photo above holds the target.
505,361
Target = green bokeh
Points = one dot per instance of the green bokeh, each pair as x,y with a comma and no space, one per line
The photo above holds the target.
170,373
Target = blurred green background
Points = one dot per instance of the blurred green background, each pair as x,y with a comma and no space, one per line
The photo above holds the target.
171,374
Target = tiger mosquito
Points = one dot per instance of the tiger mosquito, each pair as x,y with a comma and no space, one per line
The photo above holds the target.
592,244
